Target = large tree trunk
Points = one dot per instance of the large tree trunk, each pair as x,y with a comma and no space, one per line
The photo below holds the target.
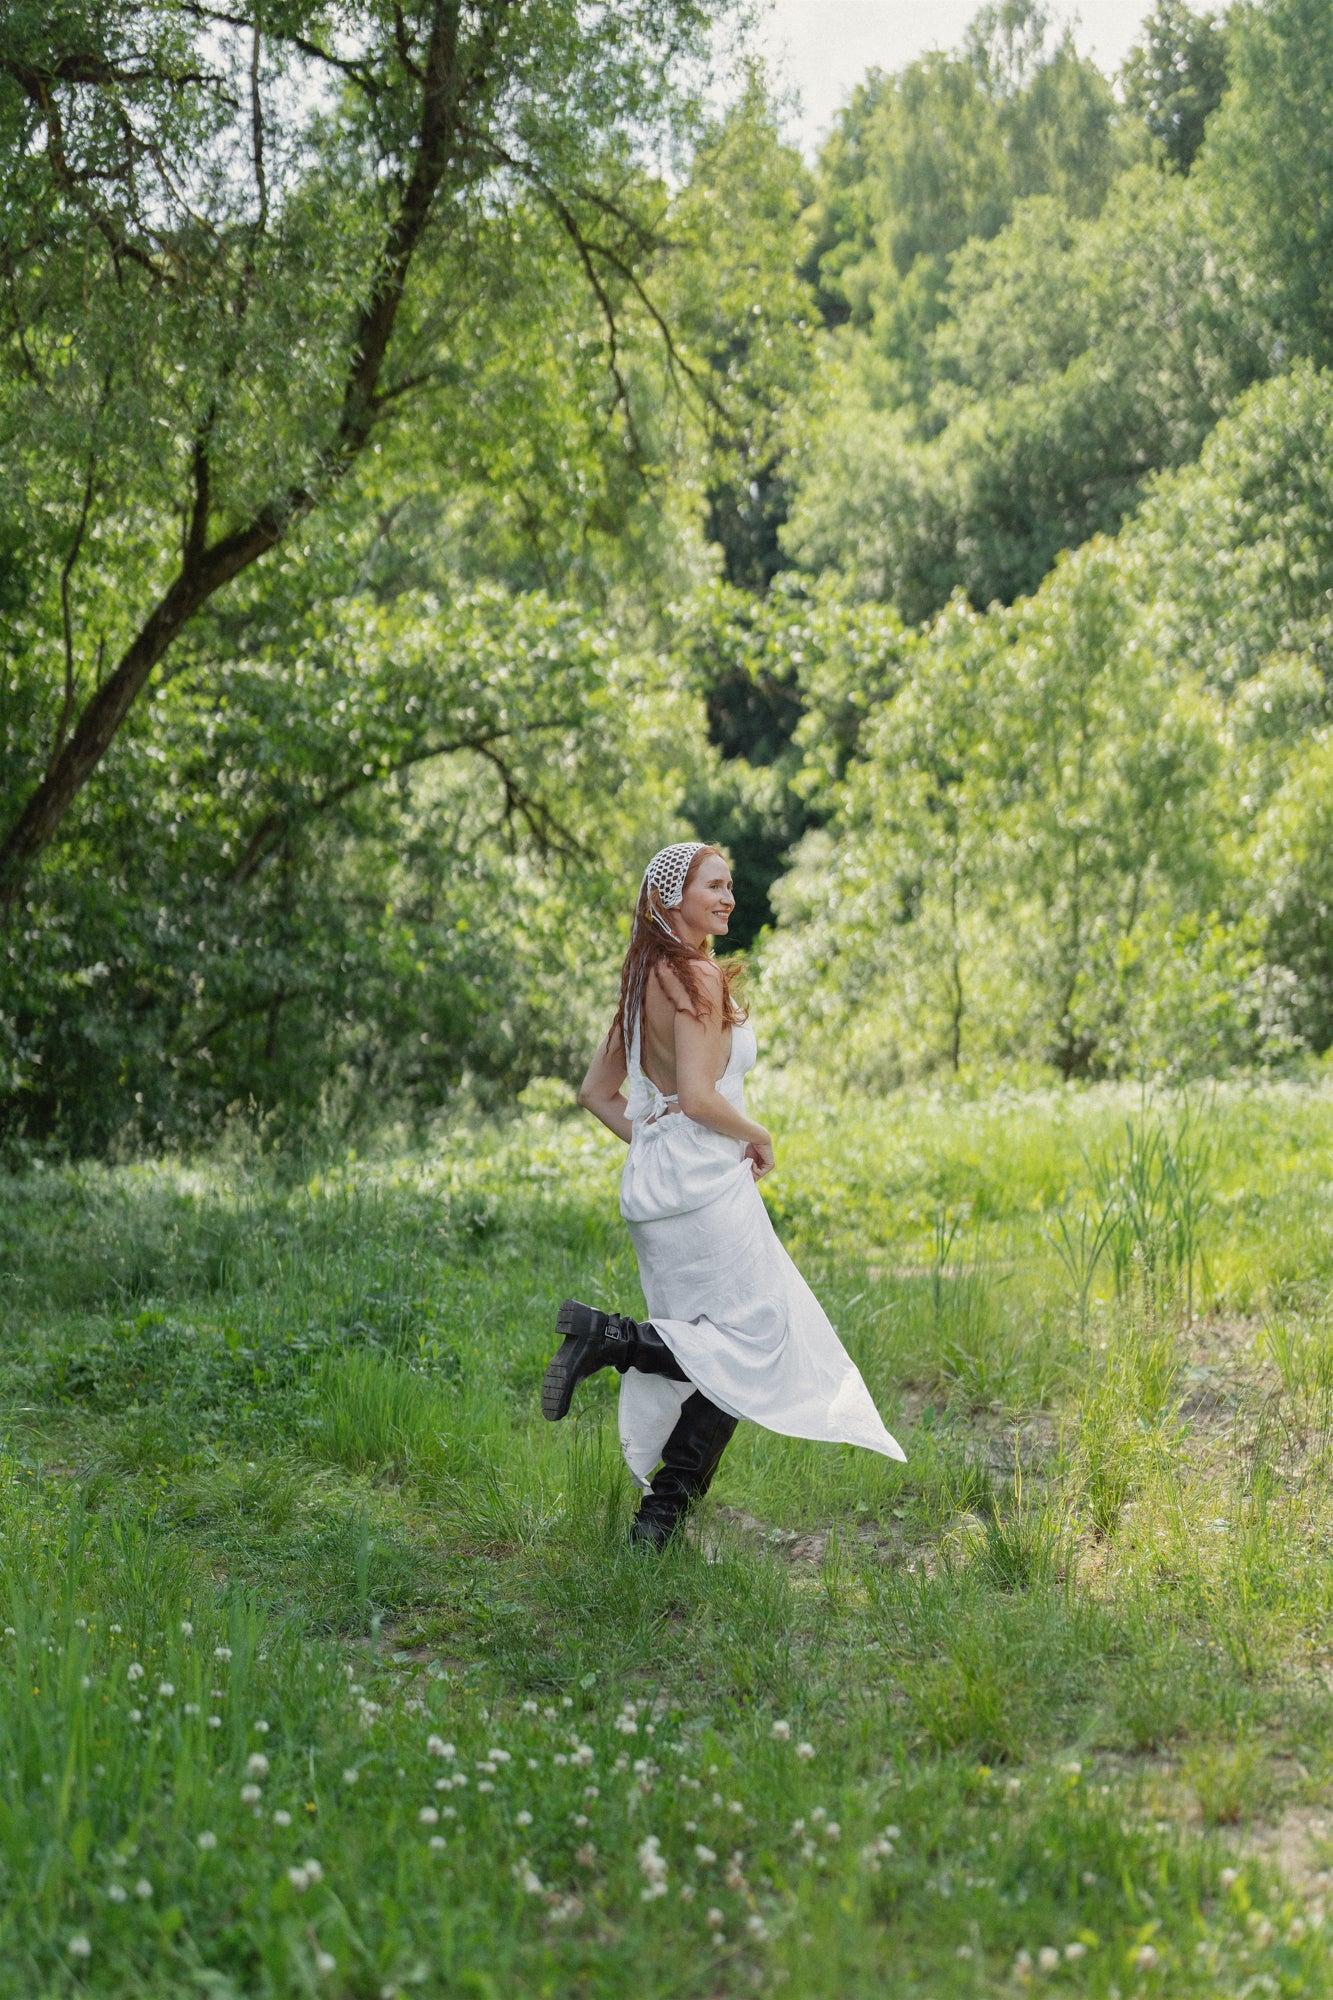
206,568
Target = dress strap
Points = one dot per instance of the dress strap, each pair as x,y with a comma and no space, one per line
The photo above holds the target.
645,1099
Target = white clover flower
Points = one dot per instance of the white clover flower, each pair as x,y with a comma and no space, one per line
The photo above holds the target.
485,1764
1228,1876
207,1841
281,1818
187,1630
704,1855
653,1866
313,1869
222,1652
485,1786
299,1879
499,1756
892,1833
833,1831
1076,1950
1048,1958
215,1722
781,1732
736,1807
448,1812
550,1714
559,1758
715,1920
351,1776
257,1764
166,1690
438,1841
260,1728
566,1701
756,1927
627,1725
116,1892
143,1888
584,1755
819,1813
686,1892
459,1779
79,1947
325,1962
250,1795
582,1820
529,1708
592,1792
523,1819
136,1715
533,1765
191,1708
1023,1965
1145,1958
528,1881
586,1855
428,1816
134,1672
437,1747
805,1751
110,1628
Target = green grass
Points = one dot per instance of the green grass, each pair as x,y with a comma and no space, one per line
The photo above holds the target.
1044,1708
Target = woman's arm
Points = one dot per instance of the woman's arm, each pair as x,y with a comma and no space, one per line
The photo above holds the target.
599,1091
698,1061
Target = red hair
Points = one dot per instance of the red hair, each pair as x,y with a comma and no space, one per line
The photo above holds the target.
651,946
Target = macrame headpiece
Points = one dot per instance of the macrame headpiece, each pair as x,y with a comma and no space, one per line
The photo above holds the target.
666,874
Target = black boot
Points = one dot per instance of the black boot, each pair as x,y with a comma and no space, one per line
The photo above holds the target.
590,1340
689,1460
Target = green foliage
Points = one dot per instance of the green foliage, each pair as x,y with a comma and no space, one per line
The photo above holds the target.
1175,78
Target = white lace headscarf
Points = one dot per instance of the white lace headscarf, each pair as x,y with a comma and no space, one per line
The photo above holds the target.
665,876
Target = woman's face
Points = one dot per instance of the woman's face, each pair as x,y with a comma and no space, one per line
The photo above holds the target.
706,907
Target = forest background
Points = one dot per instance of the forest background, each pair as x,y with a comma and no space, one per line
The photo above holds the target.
448,451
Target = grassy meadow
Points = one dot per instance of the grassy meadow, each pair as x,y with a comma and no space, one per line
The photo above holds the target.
325,1668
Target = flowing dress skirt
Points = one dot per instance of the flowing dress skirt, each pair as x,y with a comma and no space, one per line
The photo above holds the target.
721,1290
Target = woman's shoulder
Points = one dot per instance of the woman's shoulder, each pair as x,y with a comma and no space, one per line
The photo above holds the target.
705,981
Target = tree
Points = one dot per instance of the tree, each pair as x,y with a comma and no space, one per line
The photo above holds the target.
1174,79
236,245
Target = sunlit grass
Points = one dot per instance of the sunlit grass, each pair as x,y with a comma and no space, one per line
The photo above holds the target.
1009,1712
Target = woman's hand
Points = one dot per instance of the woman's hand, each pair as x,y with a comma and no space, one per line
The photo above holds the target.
759,1153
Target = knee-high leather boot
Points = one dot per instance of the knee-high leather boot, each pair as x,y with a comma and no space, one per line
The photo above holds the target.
591,1339
689,1460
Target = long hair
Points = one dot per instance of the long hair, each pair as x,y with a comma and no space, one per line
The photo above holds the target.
651,946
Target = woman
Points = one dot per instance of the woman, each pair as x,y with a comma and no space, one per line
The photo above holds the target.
734,1331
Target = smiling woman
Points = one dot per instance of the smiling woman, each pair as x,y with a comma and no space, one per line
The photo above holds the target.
734,1331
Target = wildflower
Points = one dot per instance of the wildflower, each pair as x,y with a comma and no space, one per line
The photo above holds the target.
736,1807
583,1756
250,1795
591,1792
653,1867
581,1820
257,1764
260,1728
136,1715
687,1892
781,1732
819,1813
191,1708
805,1751
1075,1951
351,1776
428,1816
134,1672
110,1628
833,1831
325,1962
529,1708
1228,1876
143,1888
313,1870
585,1855
704,1855
559,1758
222,1652
485,1786
187,1630
116,1892
299,1879
756,1927
798,1826
715,1920
1145,1958
626,1725
79,1947
566,1701
207,1841
499,1756
281,1818
892,1833
1023,1966
437,1747
86,1682
523,1819
166,1690
1048,1958
484,1764
1072,1769
528,1881
438,1841
533,1765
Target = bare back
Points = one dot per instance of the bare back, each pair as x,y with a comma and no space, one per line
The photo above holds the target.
657,1051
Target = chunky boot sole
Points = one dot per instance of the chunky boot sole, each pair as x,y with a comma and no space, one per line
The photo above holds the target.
582,1330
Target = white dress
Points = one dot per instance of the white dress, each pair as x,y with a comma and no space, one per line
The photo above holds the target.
721,1290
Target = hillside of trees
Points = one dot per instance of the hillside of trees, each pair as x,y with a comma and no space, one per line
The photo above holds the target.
447,451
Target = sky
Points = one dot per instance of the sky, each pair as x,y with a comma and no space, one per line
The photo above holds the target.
823,47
